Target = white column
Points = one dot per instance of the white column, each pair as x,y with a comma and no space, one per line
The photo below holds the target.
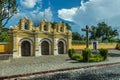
19,46
37,46
55,46
14,47
69,43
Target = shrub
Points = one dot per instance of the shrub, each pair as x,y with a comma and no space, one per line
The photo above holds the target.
86,54
70,52
103,53
96,58
118,46
77,56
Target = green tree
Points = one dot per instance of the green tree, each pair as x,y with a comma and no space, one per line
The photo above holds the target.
4,36
103,32
7,9
76,36
93,33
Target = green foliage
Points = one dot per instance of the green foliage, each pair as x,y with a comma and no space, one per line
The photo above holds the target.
77,36
103,53
118,46
4,36
70,52
96,58
7,9
104,32
77,56
86,54
118,40
77,42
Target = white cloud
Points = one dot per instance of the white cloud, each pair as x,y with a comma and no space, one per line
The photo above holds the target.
29,3
92,12
48,14
67,14
36,16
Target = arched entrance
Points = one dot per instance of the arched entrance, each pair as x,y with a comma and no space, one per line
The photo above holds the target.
25,48
60,47
45,48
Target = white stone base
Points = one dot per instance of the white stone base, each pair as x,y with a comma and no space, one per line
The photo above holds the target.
55,52
37,53
15,55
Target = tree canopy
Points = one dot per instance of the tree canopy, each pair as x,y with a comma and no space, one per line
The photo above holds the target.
4,37
77,36
7,9
103,32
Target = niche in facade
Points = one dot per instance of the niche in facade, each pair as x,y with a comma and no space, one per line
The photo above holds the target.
61,29
26,26
45,28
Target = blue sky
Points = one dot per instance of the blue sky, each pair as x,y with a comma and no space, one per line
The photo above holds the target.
78,13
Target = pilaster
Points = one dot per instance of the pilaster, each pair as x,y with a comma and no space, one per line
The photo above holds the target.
37,45
15,53
55,46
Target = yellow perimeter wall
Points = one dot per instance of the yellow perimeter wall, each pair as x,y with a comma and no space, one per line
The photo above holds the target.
5,48
101,45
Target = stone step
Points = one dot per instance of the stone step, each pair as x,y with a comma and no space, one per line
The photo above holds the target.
6,56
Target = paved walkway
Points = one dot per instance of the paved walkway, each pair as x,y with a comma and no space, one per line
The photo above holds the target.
29,65
99,73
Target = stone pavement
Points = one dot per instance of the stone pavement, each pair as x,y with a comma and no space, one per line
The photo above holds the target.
29,65
99,73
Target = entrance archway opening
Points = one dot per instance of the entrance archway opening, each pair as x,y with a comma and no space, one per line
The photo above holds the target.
45,48
61,47
25,48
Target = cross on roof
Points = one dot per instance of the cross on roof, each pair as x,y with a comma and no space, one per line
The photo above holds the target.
87,30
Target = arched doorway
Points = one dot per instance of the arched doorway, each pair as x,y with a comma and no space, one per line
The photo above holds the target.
60,47
25,48
45,48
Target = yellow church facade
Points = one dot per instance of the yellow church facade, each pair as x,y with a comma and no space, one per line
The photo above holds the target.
46,39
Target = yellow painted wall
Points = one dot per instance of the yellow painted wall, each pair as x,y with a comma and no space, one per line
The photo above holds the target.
101,45
4,48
